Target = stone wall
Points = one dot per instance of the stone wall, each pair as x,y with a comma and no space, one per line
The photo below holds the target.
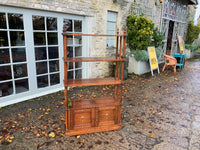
96,13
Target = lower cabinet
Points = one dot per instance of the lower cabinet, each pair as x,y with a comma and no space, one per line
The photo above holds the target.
106,116
89,120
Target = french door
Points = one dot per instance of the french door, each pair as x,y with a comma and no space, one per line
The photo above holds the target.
31,52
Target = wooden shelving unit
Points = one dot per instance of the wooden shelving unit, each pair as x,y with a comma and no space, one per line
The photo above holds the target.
94,114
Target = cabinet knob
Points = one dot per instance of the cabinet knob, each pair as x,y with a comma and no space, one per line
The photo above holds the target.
106,115
82,118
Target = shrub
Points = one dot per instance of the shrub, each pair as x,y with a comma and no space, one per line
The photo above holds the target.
191,47
158,53
157,38
140,30
141,55
192,33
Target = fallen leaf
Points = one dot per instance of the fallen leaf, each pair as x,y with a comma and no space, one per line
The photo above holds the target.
151,135
27,137
78,136
45,133
10,141
7,122
35,132
11,137
83,141
52,134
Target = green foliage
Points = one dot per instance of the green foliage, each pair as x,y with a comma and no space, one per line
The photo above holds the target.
140,30
191,47
192,33
157,38
158,53
141,55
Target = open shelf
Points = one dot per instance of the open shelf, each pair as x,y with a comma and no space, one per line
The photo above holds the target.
95,102
92,59
89,114
92,82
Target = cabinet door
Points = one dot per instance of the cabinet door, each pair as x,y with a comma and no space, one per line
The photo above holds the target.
82,118
106,116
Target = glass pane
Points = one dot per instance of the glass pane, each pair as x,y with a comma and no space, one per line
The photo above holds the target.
52,38
54,79
21,85
6,89
39,38
78,51
70,65
77,26
17,38
70,75
54,66
78,74
15,21
78,64
77,40
69,40
5,73
4,56
40,53
3,21
69,51
18,54
41,67
3,38
51,23
38,23
53,52
68,24
20,70
42,81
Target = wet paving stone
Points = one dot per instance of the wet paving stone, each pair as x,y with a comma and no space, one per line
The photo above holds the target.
158,113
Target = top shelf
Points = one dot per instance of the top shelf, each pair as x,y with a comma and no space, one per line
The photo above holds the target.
93,59
79,34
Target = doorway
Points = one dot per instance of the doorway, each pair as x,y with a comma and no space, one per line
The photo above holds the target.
169,37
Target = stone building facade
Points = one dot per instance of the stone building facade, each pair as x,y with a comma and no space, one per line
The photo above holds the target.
32,47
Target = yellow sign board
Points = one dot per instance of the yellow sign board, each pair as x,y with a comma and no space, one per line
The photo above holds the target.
152,58
181,46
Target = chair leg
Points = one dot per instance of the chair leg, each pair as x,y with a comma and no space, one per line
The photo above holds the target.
163,68
175,69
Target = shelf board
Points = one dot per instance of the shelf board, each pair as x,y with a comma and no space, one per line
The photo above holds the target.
105,35
94,102
92,82
92,59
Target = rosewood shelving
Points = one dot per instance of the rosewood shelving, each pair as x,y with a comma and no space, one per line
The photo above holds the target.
94,114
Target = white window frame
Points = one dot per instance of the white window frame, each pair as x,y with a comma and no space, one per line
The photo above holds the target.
111,28
34,91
